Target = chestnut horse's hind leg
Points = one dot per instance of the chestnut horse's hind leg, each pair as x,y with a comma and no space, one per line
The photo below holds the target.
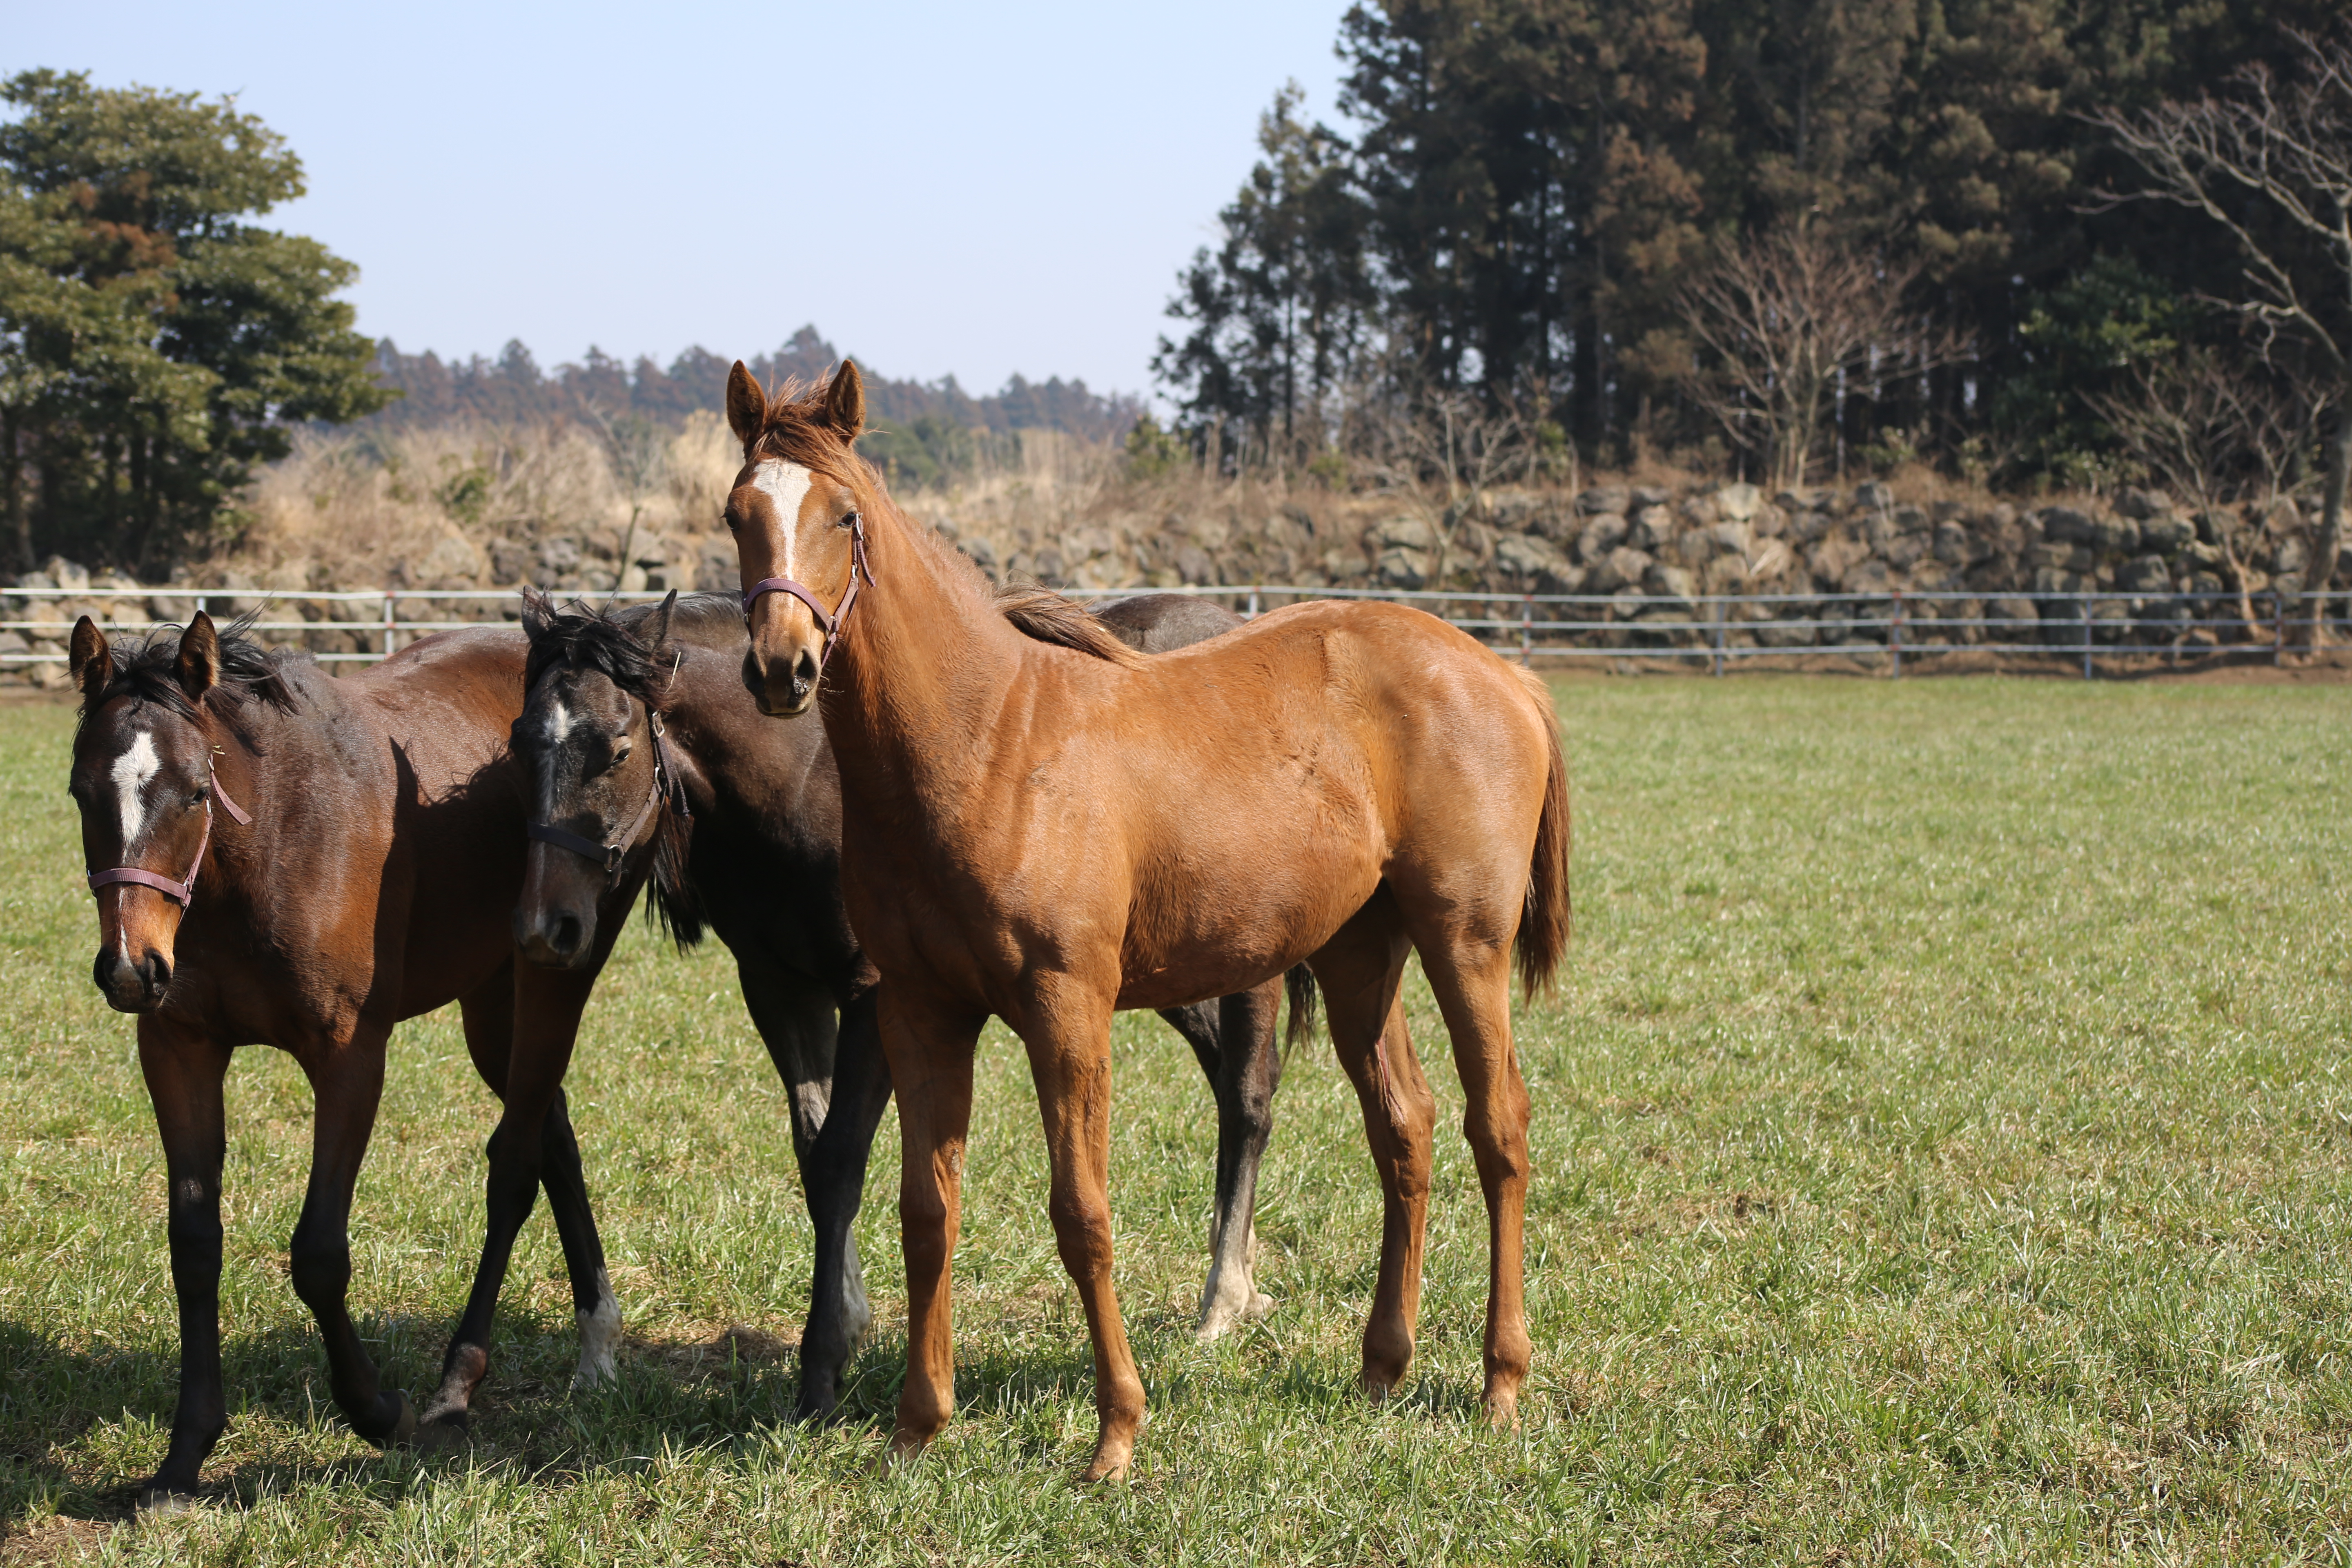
930,1050
346,1083
183,1073
1360,970
1473,984
1234,1038
833,1172
1067,1032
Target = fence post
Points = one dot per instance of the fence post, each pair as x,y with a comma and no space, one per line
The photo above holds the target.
1715,626
2086,636
388,598
1528,630
2278,637
1252,606
1895,639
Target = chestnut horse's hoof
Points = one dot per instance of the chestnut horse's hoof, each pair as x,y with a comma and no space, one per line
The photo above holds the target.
1111,1461
1502,1408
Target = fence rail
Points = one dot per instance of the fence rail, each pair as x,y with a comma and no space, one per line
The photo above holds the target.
1717,628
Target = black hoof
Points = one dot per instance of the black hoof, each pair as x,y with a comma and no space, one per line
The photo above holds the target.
399,1428
443,1433
156,1500
818,1403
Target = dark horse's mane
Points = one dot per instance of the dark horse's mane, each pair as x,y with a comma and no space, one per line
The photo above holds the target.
795,431
606,642
148,671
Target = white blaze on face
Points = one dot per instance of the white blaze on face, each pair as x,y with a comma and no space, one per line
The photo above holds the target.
787,485
131,772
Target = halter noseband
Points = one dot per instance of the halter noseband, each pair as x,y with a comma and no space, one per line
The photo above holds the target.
184,891
830,624
666,785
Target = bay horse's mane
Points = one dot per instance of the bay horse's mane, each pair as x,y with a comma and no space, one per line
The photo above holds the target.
148,671
796,430
606,642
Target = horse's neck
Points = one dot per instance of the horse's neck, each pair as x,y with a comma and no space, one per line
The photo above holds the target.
925,667
277,766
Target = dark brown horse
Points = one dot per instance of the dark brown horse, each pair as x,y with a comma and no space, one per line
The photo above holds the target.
287,860
639,724
1041,824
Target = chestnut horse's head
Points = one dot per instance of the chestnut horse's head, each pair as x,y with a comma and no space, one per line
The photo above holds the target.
796,512
588,743
143,778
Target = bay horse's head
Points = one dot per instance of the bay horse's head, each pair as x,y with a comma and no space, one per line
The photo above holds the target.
797,515
596,781
153,726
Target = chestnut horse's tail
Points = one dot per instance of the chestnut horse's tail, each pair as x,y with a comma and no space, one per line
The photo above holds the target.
1544,921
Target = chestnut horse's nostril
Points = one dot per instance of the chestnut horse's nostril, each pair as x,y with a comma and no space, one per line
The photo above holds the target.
157,973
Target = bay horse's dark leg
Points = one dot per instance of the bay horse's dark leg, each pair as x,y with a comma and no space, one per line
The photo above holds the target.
1360,970
833,1172
1234,1038
346,1082
489,1014
184,1072
548,1005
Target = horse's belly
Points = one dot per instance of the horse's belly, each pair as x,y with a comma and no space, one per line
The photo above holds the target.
1217,936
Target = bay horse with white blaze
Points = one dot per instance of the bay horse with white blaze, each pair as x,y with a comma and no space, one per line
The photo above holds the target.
1041,824
280,858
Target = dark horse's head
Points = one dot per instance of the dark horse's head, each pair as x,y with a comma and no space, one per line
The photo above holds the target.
586,740
794,511
154,719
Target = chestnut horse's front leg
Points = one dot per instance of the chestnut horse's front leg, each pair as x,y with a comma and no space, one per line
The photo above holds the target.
183,1071
346,1084
1068,1031
928,1046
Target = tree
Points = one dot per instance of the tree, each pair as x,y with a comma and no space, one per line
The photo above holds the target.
153,345
2271,163
1785,320
1276,311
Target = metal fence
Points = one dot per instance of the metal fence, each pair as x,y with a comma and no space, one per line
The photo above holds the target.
1722,631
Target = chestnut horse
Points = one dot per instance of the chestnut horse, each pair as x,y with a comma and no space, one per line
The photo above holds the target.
1041,824
649,761
287,859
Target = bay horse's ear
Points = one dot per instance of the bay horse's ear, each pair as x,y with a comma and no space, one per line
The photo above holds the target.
92,669
845,401
747,407
538,614
199,664
657,623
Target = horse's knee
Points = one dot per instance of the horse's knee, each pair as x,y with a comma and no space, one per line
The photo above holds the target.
1081,1229
320,1268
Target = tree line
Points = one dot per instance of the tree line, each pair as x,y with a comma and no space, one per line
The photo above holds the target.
1789,237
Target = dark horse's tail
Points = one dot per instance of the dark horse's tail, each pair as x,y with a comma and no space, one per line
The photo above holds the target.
1298,985
1543,922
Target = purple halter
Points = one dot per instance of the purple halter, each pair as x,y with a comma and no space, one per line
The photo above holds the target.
830,624
182,891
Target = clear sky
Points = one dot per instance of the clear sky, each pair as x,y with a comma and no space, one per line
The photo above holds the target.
941,188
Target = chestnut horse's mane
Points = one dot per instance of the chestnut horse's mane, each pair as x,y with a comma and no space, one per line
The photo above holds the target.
796,431
149,671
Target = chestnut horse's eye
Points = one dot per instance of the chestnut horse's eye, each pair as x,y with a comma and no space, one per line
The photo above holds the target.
849,522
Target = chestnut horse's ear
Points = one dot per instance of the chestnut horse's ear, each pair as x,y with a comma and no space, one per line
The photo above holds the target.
657,623
199,665
747,407
92,669
845,401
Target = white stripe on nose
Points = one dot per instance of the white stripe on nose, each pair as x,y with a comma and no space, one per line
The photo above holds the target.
787,485
131,772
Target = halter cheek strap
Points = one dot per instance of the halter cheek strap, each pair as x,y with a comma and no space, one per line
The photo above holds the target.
184,891
830,624
666,786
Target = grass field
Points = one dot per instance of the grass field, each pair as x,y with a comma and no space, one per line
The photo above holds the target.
1943,1151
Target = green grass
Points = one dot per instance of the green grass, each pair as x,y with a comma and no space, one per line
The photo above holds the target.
1943,1151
